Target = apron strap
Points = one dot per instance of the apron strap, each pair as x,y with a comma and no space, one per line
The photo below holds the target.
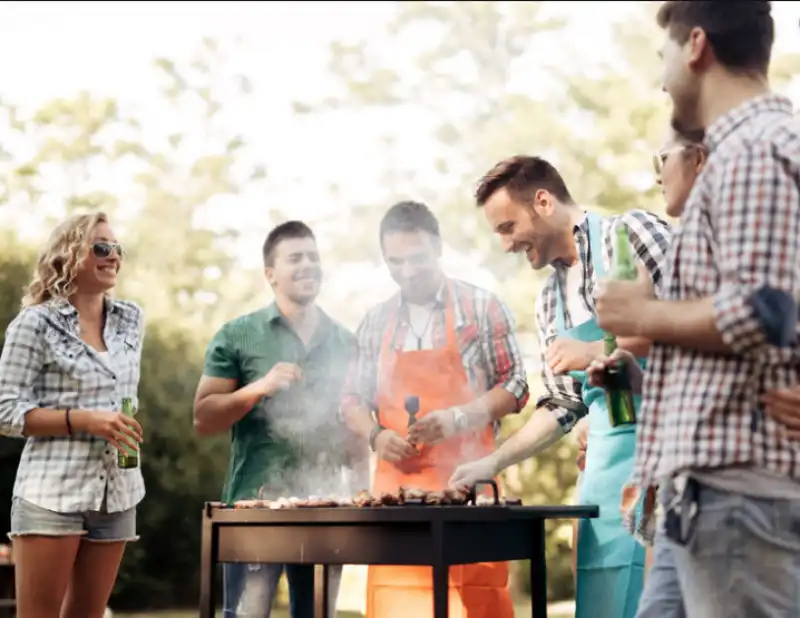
386,354
596,244
598,264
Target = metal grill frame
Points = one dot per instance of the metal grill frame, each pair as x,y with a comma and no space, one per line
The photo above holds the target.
435,536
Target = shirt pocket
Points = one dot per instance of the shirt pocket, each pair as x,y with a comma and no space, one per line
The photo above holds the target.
129,367
67,364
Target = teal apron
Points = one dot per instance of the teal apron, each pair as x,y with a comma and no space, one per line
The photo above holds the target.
610,563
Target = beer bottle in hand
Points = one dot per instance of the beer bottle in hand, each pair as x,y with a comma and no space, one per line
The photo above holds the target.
619,398
127,457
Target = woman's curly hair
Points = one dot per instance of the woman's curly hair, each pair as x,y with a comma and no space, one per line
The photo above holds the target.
58,265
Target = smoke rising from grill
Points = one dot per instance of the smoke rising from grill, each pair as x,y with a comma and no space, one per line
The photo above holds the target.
323,457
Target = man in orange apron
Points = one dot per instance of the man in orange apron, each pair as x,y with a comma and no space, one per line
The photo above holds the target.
448,347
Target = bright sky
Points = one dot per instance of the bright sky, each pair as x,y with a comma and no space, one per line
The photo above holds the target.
54,49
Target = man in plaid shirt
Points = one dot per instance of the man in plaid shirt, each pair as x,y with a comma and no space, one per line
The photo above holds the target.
528,205
724,325
438,366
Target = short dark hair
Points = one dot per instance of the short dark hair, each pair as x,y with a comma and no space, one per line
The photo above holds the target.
740,32
284,231
522,176
409,216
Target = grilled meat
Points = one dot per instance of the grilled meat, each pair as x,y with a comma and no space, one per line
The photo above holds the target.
362,498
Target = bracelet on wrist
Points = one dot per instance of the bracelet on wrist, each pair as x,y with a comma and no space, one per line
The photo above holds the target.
373,435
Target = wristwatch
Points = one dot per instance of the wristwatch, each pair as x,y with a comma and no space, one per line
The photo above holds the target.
373,435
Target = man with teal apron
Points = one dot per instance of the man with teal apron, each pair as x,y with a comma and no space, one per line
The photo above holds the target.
610,565
528,205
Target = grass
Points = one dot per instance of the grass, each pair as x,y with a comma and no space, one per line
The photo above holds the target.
523,611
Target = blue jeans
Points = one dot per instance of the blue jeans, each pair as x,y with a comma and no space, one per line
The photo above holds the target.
741,559
249,589
662,596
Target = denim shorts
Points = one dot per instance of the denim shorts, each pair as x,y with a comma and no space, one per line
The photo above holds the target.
29,519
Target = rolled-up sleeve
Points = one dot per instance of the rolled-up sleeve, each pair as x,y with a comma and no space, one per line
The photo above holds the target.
361,383
758,234
20,364
562,396
507,368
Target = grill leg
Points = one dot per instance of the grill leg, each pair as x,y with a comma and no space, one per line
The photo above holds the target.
321,591
538,572
208,560
440,573
440,591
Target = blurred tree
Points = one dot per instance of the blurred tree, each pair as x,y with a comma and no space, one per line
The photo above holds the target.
166,193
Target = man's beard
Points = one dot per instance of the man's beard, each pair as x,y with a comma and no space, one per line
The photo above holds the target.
685,114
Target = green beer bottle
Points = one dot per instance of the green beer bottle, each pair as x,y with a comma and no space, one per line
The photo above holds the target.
619,398
127,457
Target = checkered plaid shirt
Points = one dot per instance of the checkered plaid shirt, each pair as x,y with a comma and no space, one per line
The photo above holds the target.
739,235
484,331
45,364
650,238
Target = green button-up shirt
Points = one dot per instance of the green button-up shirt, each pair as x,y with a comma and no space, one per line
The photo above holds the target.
294,443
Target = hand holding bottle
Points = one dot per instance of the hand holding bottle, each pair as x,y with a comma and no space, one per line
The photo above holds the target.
115,427
597,368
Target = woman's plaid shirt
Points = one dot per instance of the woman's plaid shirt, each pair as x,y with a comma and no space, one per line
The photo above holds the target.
45,364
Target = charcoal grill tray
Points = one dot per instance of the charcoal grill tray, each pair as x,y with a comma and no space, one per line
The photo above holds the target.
395,513
427,535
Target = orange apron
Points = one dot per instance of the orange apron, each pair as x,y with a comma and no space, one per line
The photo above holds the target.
438,378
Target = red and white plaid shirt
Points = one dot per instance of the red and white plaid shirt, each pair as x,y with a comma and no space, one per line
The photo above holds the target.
740,232
484,332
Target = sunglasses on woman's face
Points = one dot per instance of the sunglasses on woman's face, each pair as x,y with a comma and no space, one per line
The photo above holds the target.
103,250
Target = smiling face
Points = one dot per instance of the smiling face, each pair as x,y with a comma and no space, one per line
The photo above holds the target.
413,262
295,271
524,228
100,265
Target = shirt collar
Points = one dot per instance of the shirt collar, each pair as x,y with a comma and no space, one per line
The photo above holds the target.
439,299
66,308
273,315
726,124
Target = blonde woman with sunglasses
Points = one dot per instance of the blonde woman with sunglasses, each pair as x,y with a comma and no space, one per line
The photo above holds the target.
69,358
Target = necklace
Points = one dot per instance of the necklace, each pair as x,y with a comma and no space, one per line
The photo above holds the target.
419,336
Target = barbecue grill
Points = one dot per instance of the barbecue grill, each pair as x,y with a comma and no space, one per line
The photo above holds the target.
409,534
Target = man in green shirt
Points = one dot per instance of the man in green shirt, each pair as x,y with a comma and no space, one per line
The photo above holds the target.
273,378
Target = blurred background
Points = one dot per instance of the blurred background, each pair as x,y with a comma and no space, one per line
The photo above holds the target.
198,126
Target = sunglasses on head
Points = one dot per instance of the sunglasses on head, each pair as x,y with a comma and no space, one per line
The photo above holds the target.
104,250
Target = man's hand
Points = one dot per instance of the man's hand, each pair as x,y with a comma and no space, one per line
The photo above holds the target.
571,355
598,366
468,474
391,447
434,427
783,405
279,378
618,304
